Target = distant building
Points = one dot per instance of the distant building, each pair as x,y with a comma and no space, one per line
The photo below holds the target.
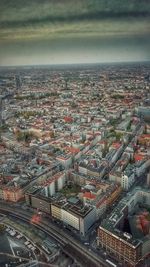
144,112
144,139
142,166
18,83
1,110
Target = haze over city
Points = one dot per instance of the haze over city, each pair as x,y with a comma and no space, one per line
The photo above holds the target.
62,32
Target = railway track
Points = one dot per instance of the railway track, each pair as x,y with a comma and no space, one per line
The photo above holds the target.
70,246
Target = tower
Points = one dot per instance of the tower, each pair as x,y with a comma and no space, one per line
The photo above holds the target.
18,83
66,83
1,111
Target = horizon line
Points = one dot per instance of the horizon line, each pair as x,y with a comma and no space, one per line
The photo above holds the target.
76,64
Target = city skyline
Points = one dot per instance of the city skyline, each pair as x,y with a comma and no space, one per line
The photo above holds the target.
35,33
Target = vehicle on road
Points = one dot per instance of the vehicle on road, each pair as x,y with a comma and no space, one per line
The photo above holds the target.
111,263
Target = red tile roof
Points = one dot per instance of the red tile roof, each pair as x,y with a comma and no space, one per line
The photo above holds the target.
89,195
138,157
68,119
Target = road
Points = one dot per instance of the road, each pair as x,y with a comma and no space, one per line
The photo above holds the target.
70,246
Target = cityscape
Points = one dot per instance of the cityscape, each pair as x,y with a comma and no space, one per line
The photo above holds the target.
75,133
75,165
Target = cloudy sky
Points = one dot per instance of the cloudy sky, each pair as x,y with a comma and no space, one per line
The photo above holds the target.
74,31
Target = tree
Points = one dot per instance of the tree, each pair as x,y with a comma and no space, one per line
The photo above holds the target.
24,136
2,228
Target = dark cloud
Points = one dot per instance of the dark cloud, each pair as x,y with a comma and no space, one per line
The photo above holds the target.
68,31
13,13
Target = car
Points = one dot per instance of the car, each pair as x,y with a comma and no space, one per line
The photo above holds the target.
12,233
26,243
18,253
33,248
19,236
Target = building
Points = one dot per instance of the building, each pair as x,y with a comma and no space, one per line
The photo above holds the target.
78,216
128,177
1,110
37,201
113,194
74,215
122,247
13,194
144,112
144,139
53,184
142,166
18,84
34,199
111,235
116,173
56,210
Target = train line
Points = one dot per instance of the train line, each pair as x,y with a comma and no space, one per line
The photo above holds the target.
69,245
